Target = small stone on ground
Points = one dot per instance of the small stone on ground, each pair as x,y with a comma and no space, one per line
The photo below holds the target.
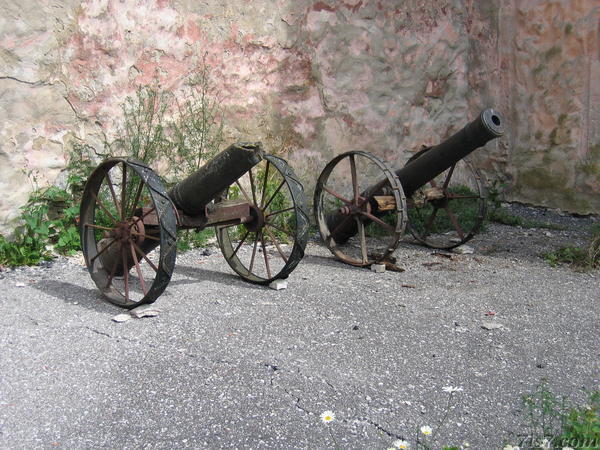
278,285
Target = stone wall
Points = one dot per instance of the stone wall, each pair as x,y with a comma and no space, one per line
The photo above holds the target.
312,79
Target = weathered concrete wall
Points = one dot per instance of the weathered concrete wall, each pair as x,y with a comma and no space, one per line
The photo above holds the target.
550,63
316,78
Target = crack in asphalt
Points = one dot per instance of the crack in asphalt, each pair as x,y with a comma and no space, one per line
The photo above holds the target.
391,434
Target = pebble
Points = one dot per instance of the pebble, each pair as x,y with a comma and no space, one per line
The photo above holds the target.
463,250
278,285
119,318
144,311
378,268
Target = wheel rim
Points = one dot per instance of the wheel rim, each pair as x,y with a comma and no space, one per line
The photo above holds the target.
119,196
272,244
450,209
345,194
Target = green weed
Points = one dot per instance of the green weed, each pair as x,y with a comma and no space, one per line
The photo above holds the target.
552,422
466,210
567,255
190,239
578,257
157,126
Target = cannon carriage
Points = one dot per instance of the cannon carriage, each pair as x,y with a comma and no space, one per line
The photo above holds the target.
129,221
363,206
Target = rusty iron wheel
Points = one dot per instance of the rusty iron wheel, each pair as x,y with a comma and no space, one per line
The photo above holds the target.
450,209
360,208
130,261
271,245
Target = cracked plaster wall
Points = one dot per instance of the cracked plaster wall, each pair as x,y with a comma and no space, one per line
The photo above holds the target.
314,79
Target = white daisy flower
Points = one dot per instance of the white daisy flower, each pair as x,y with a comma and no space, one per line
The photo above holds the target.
327,417
400,443
426,430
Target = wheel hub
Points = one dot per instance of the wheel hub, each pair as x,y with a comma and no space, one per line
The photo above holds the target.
258,219
131,230
362,206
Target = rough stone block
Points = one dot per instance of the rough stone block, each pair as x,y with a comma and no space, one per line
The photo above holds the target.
278,285
378,268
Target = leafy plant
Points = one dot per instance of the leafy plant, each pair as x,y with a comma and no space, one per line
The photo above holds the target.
466,209
189,239
594,247
157,126
196,133
143,135
567,255
553,423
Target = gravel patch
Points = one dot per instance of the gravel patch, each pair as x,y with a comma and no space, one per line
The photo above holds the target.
230,364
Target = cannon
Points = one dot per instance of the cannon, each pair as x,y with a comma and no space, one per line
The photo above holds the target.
362,205
129,221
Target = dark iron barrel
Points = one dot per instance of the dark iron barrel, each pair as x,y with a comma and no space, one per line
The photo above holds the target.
418,172
200,188
488,125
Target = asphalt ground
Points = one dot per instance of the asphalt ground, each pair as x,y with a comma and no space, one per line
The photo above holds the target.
228,364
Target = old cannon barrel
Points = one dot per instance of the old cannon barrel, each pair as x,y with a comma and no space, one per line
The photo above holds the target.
487,126
418,172
199,189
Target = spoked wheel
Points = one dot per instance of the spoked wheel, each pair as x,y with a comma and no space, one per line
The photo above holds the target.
128,232
360,208
450,209
271,245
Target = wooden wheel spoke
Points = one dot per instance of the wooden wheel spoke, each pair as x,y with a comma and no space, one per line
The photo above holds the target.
338,196
243,191
447,181
98,227
355,187
363,240
266,258
272,236
430,221
124,190
264,208
125,272
278,228
379,221
291,208
254,251
112,272
150,211
102,251
112,193
240,243
145,236
264,188
136,199
140,251
103,208
454,221
252,187
137,269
